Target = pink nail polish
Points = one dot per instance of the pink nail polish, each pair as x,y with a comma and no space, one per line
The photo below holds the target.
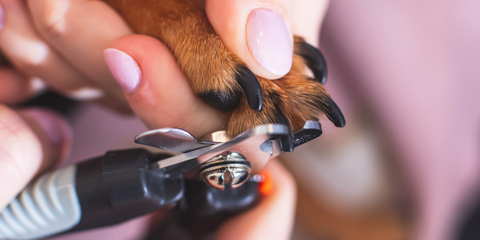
2,17
269,41
56,129
125,70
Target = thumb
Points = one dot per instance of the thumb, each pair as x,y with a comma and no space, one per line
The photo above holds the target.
257,31
31,141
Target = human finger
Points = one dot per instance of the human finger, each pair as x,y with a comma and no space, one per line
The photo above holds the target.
16,87
273,217
80,30
30,142
257,31
307,18
156,89
30,54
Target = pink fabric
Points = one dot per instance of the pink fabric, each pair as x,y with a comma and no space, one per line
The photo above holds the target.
416,64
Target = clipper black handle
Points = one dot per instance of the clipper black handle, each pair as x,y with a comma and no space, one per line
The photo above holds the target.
100,192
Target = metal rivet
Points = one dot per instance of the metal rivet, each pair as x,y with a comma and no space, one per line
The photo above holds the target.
226,171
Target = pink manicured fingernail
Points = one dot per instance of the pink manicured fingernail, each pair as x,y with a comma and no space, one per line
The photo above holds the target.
56,128
52,124
269,41
2,17
125,70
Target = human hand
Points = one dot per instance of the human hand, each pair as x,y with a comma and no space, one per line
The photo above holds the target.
76,70
34,140
275,209
61,42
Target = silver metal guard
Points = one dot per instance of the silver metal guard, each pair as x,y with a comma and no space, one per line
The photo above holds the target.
257,145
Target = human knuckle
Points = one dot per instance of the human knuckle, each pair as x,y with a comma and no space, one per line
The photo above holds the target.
50,19
24,52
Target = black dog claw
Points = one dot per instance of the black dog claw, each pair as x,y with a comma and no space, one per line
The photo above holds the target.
311,130
288,143
333,112
251,87
223,101
314,59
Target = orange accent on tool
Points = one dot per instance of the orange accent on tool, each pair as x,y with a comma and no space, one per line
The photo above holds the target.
266,186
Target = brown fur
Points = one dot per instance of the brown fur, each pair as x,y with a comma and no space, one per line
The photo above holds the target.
184,28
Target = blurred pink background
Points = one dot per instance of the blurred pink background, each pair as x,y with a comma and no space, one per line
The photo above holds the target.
415,66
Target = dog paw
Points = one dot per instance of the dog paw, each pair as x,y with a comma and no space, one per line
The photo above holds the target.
223,80
294,98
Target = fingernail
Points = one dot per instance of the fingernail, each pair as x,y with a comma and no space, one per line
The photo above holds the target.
2,17
56,129
269,41
125,70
